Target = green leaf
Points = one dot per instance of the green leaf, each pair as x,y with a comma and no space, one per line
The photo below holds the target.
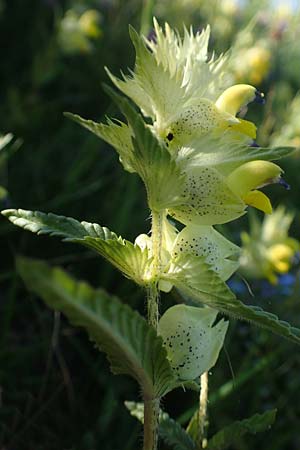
54,225
115,133
151,160
169,430
174,435
195,278
231,434
131,345
127,257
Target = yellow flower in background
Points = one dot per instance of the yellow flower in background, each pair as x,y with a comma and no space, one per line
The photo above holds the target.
280,256
89,23
267,250
251,54
77,31
288,131
253,64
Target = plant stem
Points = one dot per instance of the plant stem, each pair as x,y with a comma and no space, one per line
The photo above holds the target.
151,413
151,405
156,236
202,413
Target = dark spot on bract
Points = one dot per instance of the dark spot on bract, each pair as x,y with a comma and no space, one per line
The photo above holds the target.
170,136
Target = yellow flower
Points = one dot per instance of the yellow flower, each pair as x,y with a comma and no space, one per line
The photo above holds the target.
245,180
280,256
253,64
89,23
267,249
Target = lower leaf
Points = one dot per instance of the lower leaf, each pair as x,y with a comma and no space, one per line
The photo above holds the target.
131,345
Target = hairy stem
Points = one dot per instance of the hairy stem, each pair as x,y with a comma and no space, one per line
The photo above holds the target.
202,413
151,405
151,413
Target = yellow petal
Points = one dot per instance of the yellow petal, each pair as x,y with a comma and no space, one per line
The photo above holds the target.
258,200
282,266
245,127
236,97
280,256
252,175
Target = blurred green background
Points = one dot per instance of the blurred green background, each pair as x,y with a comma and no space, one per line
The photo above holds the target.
56,391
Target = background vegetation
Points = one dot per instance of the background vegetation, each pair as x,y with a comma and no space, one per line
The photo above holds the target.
56,391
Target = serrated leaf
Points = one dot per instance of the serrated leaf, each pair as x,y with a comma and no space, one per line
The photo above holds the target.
115,133
192,275
127,257
151,160
131,345
195,278
231,434
169,430
54,225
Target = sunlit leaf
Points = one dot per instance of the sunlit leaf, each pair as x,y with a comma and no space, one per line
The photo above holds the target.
127,257
151,160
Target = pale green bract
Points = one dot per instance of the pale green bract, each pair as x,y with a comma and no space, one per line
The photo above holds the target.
171,72
192,341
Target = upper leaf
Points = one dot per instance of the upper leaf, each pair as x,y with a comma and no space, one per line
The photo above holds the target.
231,434
127,257
115,133
151,160
130,344
196,279
54,225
